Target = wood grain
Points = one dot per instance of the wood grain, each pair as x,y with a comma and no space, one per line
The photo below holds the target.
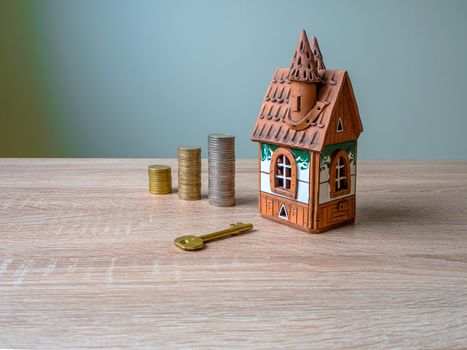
87,260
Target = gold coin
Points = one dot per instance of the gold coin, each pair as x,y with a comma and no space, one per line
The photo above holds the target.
160,179
159,167
189,172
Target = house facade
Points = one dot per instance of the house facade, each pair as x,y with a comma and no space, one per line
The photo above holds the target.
307,131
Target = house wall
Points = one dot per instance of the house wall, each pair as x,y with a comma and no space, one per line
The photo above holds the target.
327,212
325,160
346,110
303,172
298,213
335,213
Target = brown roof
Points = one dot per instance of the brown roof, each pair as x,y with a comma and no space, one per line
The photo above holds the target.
303,67
318,56
270,125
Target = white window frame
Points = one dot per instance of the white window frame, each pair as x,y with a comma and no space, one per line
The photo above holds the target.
281,163
339,177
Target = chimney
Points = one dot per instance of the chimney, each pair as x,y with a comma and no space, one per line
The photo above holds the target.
304,79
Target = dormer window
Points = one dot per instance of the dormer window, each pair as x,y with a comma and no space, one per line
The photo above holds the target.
283,173
296,103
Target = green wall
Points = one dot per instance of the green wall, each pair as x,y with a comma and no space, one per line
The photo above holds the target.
114,78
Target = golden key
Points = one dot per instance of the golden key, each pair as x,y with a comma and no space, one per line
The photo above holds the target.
191,242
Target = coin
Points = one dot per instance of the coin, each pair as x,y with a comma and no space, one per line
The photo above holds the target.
221,173
160,179
189,172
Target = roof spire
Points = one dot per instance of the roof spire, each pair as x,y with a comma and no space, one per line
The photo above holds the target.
318,56
303,67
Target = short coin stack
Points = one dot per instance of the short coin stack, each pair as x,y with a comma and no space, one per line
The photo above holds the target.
221,158
160,179
189,173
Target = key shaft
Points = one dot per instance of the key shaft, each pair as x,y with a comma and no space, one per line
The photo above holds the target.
234,229
191,242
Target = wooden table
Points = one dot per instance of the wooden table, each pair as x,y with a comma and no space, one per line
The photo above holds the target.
87,260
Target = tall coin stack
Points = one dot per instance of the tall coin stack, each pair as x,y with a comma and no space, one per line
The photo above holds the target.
160,179
221,164
189,173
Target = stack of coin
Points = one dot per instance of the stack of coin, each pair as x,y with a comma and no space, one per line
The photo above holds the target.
221,163
160,179
189,173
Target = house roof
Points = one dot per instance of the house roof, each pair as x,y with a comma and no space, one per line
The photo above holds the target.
270,124
317,55
303,67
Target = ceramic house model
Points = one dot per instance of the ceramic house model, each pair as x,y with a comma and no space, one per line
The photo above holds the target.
307,131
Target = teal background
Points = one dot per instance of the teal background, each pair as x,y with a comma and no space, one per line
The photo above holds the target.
109,78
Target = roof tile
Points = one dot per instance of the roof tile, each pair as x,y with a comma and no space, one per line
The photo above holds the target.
270,124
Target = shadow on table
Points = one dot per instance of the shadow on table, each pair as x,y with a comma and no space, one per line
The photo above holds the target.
246,200
391,214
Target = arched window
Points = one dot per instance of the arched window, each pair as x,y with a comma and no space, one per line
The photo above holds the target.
283,173
339,179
